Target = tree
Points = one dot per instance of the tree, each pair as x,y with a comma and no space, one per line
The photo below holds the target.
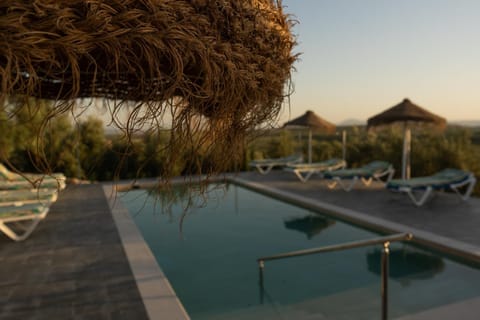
6,136
91,146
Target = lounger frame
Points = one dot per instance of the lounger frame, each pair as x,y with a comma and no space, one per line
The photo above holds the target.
366,180
42,196
25,222
304,173
266,165
428,190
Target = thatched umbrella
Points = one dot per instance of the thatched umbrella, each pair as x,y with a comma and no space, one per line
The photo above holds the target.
226,63
406,112
311,225
406,264
313,122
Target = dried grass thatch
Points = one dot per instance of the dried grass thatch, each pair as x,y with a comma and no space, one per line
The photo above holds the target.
406,112
312,121
216,68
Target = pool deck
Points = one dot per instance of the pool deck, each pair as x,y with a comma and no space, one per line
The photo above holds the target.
77,264
73,265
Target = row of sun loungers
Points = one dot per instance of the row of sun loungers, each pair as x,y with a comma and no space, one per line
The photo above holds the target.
419,189
25,200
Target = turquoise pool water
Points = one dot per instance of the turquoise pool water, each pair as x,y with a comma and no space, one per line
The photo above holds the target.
209,256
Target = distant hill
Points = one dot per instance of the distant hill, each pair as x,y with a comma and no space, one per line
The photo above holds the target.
358,122
466,123
351,122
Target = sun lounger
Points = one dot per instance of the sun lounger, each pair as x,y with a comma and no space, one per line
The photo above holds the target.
37,179
447,179
265,165
35,184
305,170
27,196
18,222
376,170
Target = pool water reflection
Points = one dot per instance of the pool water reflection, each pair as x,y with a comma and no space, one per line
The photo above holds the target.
209,255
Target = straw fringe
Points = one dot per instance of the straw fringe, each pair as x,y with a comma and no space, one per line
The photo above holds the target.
225,62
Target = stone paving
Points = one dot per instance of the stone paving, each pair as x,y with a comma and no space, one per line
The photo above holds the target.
72,266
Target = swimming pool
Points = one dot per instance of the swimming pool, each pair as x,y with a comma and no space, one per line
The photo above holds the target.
209,256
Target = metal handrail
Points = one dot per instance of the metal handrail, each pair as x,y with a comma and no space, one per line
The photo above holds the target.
338,247
344,246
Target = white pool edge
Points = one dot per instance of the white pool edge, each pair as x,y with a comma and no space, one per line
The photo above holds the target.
159,298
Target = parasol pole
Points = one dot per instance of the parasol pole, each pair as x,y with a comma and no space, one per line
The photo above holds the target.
407,135
310,145
300,146
344,144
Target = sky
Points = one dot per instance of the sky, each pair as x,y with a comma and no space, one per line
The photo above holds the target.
360,57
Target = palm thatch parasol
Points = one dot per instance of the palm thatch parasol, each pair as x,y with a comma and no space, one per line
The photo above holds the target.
311,121
218,69
406,264
406,112
311,225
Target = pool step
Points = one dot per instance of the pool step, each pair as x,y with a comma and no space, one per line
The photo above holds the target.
464,310
265,312
356,304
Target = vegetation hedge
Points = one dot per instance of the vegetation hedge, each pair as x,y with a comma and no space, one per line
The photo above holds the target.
82,149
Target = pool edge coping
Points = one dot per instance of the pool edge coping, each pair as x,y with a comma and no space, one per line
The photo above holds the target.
159,297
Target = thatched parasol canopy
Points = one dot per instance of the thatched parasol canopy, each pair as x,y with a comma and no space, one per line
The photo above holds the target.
406,264
313,122
226,62
403,112
310,225
407,113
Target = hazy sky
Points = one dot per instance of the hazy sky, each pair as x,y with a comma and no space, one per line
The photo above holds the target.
360,57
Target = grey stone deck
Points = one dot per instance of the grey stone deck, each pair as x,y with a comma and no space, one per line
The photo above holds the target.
73,266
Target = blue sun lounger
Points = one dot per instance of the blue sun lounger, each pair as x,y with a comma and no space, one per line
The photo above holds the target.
375,170
265,165
447,179
305,170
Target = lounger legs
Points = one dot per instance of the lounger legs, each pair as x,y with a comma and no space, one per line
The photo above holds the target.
304,178
19,228
348,186
264,169
27,230
337,181
366,182
418,202
471,184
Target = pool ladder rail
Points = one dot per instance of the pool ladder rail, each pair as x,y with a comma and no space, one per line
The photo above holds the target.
385,241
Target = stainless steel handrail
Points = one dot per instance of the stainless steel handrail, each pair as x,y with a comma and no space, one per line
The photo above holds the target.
385,241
